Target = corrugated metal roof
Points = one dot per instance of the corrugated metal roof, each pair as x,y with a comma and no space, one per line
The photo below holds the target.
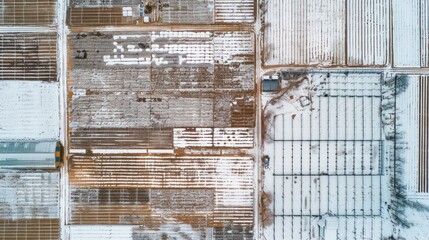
28,56
367,32
29,110
28,161
30,229
29,205
305,33
188,11
133,12
213,137
190,93
234,11
127,138
29,195
179,80
27,12
179,190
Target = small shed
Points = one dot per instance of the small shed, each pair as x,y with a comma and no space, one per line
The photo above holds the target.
30,154
270,83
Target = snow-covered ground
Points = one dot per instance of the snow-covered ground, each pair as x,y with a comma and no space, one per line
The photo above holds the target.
409,132
325,143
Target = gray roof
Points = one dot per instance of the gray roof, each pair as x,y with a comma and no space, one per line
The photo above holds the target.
28,154
270,85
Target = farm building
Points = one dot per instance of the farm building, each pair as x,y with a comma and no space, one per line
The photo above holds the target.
346,33
326,33
40,13
167,134
178,80
30,155
29,204
28,56
21,101
133,12
29,120
161,131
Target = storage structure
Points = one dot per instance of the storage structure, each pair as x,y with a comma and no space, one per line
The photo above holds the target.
30,155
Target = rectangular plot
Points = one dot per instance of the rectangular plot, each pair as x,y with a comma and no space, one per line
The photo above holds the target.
236,11
48,229
193,12
115,138
282,164
21,101
315,198
342,120
28,195
110,196
306,157
359,121
292,20
325,199
367,26
340,158
359,228
406,33
286,123
359,204
306,204
315,122
287,160
27,12
350,195
332,157
323,157
28,56
296,158
108,232
340,189
333,111
353,197
213,137
333,195
324,117
282,228
296,126
101,15
285,198
297,195
360,165
350,158
350,118
306,127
